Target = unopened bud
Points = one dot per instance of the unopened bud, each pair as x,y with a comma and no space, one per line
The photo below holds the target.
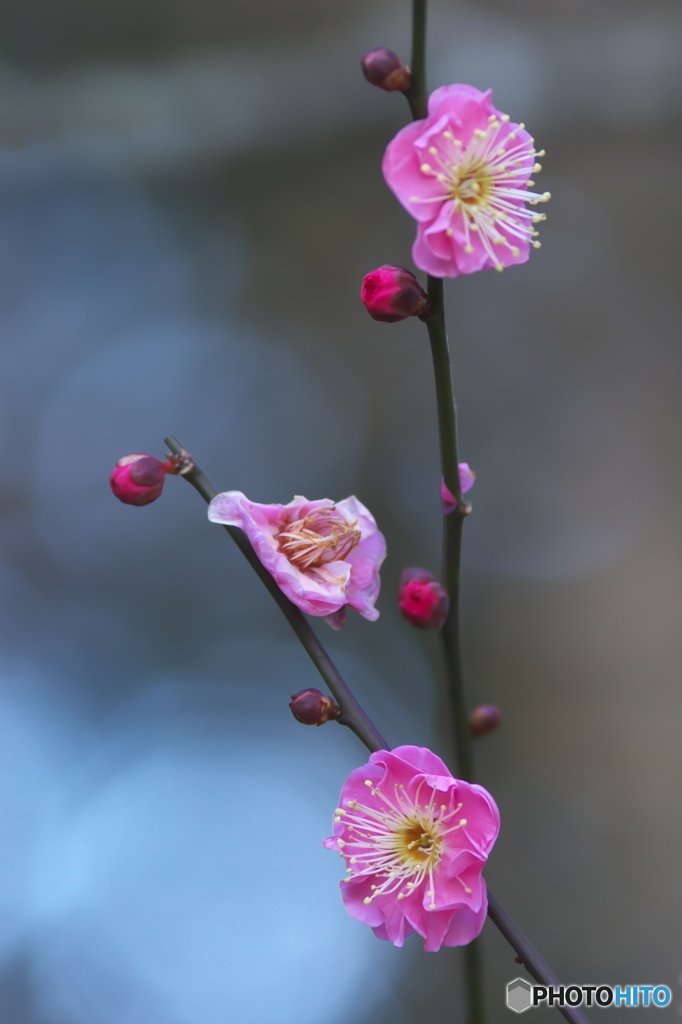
311,707
422,600
484,719
448,501
138,479
384,68
392,293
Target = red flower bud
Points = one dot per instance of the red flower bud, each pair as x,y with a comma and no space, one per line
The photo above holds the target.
484,719
311,707
138,479
422,600
392,293
384,68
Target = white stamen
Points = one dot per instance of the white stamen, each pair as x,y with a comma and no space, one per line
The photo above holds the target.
321,537
399,842
488,183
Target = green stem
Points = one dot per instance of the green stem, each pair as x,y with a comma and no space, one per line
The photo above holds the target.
473,969
453,522
452,548
417,95
352,714
452,525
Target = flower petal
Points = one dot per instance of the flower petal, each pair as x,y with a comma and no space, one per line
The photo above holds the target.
415,841
463,173
365,560
318,591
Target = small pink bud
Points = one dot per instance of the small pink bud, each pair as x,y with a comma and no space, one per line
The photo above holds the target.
138,479
311,707
467,478
392,293
485,719
384,68
422,600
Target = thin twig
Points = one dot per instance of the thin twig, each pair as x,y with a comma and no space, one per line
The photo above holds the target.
452,523
452,527
532,961
416,95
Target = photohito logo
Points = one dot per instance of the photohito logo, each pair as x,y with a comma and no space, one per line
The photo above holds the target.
521,995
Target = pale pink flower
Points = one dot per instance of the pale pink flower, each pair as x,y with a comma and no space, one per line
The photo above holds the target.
415,841
467,478
463,173
323,555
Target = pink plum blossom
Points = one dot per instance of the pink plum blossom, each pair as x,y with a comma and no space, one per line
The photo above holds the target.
467,478
463,173
323,555
415,841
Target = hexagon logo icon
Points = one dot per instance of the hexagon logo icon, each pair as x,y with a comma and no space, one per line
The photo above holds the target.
518,995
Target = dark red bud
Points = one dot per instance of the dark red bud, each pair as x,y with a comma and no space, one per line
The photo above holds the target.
384,68
392,293
138,479
311,707
422,600
484,719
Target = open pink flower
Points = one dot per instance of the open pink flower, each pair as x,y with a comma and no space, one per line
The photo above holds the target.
324,555
415,840
463,173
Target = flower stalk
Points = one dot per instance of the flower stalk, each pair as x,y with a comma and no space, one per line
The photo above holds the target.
452,523
351,712
417,94
400,848
453,520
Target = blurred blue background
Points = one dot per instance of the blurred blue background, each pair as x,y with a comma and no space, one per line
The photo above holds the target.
190,193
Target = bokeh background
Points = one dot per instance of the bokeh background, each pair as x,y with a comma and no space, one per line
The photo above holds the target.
190,193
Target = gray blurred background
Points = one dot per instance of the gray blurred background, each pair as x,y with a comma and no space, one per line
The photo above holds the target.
190,193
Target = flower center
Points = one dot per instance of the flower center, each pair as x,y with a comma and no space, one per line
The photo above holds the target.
419,843
487,181
400,842
471,184
323,536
